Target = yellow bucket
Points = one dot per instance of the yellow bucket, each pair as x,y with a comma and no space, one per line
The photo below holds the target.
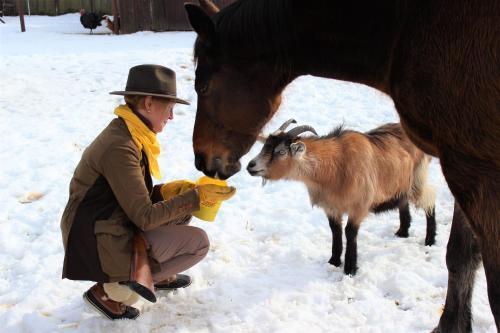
208,210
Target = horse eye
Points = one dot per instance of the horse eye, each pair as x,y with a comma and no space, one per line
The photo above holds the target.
204,88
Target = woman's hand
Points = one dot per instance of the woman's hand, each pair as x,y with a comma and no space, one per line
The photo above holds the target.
169,190
215,193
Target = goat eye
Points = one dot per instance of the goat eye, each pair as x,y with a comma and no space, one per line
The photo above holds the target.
282,152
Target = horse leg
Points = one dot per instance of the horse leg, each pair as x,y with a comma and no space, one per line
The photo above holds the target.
404,219
351,252
462,260
491,262
430,236
336,227
475,183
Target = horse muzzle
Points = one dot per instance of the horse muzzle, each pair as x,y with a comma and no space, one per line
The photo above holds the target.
216,167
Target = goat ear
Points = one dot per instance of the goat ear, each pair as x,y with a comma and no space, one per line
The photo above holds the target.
262,138
200,21
298,148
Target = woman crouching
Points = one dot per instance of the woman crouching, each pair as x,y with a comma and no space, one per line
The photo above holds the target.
112,198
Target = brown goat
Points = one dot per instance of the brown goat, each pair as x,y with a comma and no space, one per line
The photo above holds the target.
353,173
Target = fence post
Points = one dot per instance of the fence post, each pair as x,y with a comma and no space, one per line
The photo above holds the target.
116,17
20,9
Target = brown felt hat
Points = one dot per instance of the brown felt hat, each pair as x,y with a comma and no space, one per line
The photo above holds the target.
151,80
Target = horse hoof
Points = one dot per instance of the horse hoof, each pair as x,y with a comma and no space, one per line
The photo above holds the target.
351,271
402,233
430,241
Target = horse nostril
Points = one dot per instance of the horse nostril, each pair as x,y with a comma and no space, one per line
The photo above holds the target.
199,162
217,164
251,164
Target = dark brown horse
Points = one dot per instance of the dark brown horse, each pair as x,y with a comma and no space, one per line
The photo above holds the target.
439,60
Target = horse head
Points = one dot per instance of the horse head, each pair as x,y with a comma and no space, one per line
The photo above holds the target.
236,97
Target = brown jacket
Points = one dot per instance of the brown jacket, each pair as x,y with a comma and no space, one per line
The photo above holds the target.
111,193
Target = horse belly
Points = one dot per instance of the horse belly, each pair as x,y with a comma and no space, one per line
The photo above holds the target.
444,78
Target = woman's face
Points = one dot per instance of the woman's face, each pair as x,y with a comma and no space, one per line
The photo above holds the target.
159,112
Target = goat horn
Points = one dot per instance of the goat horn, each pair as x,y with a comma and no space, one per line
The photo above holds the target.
294,132
284,126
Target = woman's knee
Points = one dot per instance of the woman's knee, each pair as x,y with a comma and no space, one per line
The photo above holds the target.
204,242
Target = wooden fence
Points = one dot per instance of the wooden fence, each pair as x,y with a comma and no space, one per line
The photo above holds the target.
57,7
155,15
135,15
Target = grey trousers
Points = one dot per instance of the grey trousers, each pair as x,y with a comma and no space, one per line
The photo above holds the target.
176,247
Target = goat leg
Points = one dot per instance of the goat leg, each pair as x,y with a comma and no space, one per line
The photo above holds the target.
336,227
404,220
430,237
351,252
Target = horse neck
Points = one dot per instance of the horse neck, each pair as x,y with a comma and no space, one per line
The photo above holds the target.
326,38
348,42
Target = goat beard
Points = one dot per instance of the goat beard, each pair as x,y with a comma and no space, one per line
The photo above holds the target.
264,181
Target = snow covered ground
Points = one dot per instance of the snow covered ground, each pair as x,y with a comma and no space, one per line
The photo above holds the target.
267,268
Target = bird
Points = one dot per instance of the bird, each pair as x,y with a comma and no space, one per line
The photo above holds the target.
110,24
90,20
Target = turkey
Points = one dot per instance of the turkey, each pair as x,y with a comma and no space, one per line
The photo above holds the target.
91,20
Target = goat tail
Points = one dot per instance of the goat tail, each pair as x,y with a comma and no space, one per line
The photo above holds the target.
423,194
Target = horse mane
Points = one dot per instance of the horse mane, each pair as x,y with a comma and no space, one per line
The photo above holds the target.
243,31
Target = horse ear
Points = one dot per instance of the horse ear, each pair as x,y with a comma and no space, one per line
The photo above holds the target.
209,7
200,21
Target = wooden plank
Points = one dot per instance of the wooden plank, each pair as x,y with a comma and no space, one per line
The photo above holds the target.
135,15
143,10
43,7
105,6
74,6
127,18
176,17
159,20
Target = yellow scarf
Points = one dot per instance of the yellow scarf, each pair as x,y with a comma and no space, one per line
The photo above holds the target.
144,138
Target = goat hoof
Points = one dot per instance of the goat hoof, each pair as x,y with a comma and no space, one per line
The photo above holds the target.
429,241
351,271
402,233
334,262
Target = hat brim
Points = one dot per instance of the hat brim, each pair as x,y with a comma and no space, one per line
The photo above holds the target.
174,98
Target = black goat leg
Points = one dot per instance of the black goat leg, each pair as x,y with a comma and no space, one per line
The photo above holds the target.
351,252
336,227
404,219
430,237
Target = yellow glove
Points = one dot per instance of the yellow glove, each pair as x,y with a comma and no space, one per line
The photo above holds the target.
215,193
170,190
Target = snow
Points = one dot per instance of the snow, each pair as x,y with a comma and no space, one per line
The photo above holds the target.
267,268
